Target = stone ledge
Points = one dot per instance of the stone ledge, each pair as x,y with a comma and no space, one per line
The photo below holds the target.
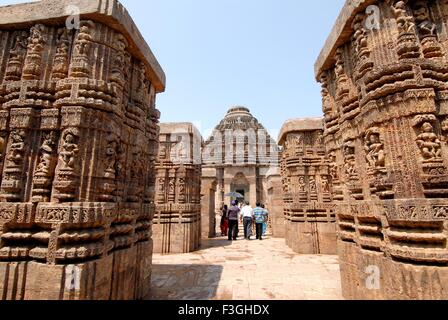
340,33
109,12
298,125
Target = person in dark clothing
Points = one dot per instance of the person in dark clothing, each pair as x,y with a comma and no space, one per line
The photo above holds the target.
224,221
233,215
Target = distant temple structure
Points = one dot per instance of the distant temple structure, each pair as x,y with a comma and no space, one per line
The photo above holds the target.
238,157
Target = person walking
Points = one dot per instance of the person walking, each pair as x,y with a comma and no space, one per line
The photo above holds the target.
224,221
265,224
260,218
233,215
247,216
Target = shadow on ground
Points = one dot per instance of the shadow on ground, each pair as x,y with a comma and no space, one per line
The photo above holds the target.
184,282
215,243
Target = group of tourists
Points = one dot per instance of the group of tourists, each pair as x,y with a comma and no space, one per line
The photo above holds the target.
244,213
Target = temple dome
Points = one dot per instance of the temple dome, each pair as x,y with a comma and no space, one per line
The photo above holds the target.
239,118
246,130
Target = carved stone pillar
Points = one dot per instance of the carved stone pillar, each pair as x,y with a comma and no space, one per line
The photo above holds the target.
309,213
388,154
77,172
177,227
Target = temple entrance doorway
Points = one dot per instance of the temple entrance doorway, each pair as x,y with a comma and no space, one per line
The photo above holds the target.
241,185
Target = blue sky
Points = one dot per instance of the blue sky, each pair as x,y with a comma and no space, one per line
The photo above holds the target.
220,53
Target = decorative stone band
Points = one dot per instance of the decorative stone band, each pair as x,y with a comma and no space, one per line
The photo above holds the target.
55,233
311,212
394,226
177,213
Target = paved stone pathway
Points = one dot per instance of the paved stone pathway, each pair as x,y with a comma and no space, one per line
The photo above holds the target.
245,270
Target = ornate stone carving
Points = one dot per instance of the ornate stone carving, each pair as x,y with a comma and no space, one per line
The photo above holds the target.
80,66
309,216
407,46
61,58
350,160
390,200
375,156
33,61
44,173
343,88
17,57
77,171
426,30
177,224
427,140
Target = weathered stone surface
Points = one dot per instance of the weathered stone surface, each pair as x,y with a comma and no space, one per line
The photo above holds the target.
78,143
274,201
236,158
307,194
385,102
177,223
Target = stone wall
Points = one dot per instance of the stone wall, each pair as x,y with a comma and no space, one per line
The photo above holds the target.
78,141
177,224
274,203
209,215
307,196
385,99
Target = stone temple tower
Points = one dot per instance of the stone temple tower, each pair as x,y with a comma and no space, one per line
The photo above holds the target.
238,157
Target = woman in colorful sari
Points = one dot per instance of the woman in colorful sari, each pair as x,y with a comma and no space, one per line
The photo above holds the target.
224,221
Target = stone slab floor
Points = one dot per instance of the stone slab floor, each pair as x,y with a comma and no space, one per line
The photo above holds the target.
245,270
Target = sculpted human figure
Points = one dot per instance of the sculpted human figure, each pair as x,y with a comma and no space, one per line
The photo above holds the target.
429,143
349,157
69,150
302,184
375,151
17,56
17,147
404,20
47,149
425,25
325,184
161,185
36,40
333,165
83,42
360,38
112,161
172,185
60,64
313,187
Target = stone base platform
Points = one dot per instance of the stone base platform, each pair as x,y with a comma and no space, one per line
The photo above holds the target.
311,237
123,275
397,281
174,238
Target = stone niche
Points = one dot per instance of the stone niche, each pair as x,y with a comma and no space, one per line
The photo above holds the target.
177,223
384,74
306,182
78,144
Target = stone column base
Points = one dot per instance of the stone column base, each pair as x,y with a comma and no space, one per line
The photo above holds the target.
397,281
123,275
311,237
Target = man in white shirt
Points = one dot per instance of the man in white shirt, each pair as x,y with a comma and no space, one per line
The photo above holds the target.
247,215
